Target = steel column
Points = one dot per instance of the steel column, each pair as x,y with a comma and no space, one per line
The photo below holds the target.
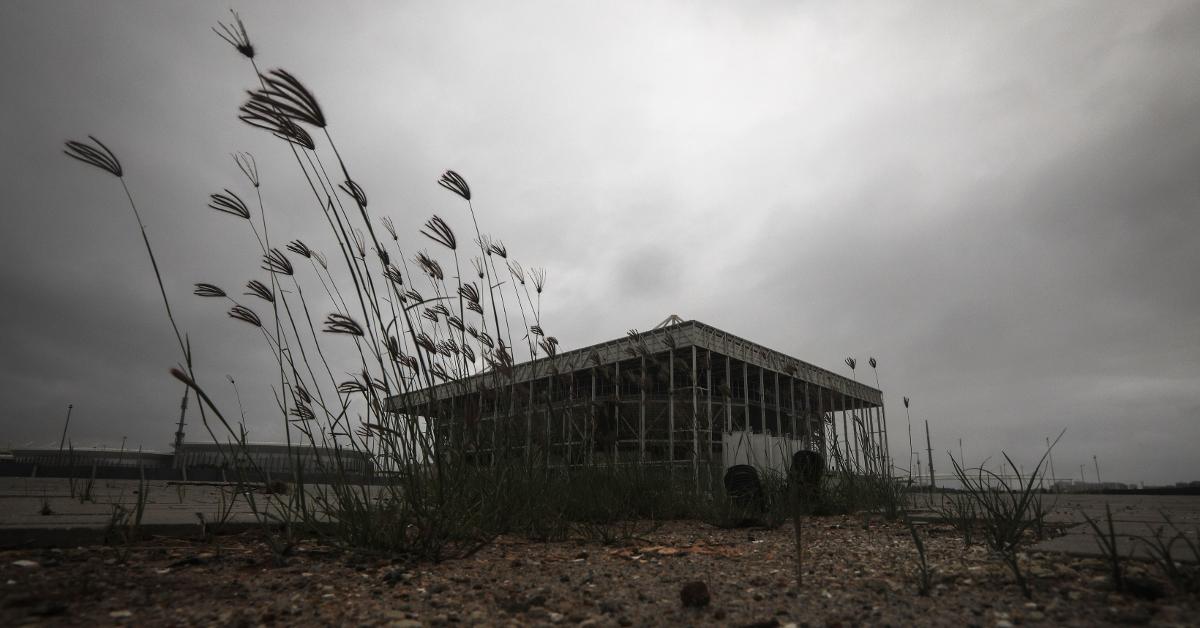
671,412
695,427
642,414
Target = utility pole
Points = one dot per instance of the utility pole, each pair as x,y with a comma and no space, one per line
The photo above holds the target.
1050,452
1097,463
1082,477
884,441
911,451
179,430
63,440
929,450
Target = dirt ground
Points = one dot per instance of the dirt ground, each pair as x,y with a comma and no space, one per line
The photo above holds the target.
855,573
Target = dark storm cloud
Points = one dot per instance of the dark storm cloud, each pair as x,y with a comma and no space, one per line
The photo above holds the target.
998,201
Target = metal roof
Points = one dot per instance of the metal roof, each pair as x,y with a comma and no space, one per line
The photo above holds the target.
683,335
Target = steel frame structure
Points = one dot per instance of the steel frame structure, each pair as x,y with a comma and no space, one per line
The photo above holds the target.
688,397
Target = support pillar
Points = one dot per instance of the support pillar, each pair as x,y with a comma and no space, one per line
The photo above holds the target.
795,435
671,412
642,414
589,432
746,403
617,413
728,399
845,433
695,426
568,421
830,443
762,407
809,429
528,422
709,412
887,443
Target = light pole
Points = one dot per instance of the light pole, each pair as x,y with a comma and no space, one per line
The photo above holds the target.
1050,453
910,445
929,449
63,440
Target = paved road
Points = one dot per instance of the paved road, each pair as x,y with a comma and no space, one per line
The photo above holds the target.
1133,516
46,511
52,511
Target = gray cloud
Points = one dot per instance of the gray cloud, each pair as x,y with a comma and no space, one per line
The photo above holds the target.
997,201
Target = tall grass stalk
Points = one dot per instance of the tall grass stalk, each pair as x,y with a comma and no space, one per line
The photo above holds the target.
1107,543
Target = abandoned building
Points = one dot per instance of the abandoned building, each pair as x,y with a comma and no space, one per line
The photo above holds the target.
685,397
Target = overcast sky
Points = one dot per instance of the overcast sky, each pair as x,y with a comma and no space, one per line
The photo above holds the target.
999,201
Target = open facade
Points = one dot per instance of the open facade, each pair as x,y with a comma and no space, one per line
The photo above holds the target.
688,398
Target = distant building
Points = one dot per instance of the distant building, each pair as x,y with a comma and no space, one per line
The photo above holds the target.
124,458
207,461
274,458
1071,486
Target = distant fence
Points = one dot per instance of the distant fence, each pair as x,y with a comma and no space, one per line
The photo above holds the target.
157,473
203,462
1160,490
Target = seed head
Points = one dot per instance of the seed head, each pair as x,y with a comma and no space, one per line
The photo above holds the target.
245,162
101,157
517,271
302,413
299,248
355,191
229,203
243,313
454,182
342,324
390,226
352,386
260,115
287,96
440,232
393,275
235,35
426,343
469,292
208,290
539,278
431,267
276,262
259,289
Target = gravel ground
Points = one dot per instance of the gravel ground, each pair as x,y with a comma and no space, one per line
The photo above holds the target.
855,573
